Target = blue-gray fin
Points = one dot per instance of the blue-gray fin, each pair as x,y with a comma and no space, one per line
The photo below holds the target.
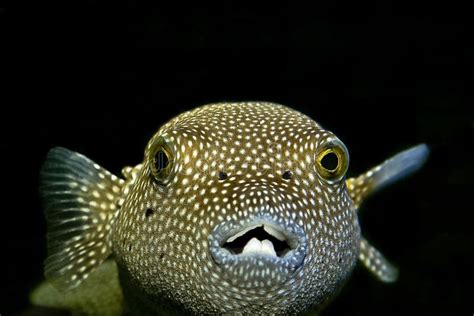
376,263
391,170
80,200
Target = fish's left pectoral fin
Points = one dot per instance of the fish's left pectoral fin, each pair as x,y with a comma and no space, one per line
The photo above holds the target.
376,263
391,170
80,200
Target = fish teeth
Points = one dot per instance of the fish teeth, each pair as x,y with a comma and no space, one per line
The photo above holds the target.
269,229
243,232
267,248
255,246
274,232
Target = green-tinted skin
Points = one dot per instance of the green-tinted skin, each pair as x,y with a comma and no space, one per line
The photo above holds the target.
157,224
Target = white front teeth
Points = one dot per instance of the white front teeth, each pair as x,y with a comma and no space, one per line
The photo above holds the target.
269,229
274,232
231,239
255,246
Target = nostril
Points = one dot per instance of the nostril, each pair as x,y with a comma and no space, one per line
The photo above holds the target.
287,175
149,212
222,175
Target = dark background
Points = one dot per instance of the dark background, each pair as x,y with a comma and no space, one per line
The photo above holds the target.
101,77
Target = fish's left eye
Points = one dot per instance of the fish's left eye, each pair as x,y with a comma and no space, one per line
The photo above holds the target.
162,162
332,161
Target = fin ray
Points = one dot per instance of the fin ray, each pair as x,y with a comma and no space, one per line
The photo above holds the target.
79,198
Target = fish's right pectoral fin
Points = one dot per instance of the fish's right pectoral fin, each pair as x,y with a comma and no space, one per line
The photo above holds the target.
80,199
376,263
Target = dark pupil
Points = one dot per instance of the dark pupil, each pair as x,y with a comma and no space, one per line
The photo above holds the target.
161,161
330,161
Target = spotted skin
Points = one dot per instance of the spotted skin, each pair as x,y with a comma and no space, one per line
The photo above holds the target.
231,165
254,144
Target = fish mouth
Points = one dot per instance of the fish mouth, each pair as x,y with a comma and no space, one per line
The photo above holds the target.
258,239
262,241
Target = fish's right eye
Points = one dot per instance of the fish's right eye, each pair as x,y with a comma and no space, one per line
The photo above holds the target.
162,162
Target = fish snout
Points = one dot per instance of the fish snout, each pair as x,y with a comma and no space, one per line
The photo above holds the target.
258,245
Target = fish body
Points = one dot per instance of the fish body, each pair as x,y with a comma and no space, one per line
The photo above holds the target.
236,208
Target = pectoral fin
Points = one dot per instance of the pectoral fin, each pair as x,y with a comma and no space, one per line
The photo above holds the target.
376,262
80,200
391,170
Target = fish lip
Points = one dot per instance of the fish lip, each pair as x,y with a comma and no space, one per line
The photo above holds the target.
294,234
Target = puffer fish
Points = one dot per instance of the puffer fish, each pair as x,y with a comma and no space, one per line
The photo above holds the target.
237,208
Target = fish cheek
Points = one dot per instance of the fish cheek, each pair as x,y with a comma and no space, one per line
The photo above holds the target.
134,221
335,237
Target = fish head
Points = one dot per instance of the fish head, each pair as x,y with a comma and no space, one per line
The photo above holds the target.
238,207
